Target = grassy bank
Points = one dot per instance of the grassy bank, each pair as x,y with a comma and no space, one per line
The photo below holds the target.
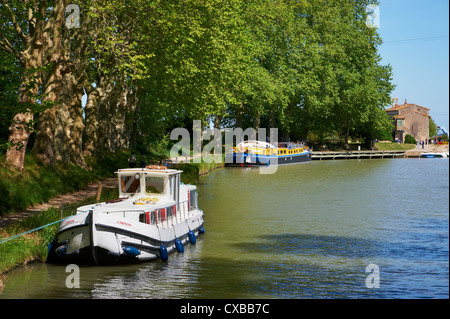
33,246
390,146
30,247
40,182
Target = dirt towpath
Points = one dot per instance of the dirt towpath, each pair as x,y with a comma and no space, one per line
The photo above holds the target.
58,201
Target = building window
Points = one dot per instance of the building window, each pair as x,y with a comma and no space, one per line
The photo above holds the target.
400,122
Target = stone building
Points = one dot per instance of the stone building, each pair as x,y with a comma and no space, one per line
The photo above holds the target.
410,119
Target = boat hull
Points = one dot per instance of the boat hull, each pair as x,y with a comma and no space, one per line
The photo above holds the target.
98,239
249,160
433,155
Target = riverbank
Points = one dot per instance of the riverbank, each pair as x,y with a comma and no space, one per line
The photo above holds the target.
39,182
390,146
418,150
32,198
31,245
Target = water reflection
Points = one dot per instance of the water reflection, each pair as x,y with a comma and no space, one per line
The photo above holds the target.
174,279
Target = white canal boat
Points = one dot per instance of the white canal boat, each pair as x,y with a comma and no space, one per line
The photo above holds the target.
154,215
435,155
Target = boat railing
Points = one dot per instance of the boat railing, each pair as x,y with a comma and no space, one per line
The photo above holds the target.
164,220
69,210
181,214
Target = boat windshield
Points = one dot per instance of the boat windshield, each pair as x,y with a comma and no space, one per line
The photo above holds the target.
130,183
154,185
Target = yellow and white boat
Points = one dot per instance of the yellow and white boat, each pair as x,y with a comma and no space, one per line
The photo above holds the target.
258,153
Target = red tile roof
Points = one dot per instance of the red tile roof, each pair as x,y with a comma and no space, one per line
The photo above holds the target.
399,107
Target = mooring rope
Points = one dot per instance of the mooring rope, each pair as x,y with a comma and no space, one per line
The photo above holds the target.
4,240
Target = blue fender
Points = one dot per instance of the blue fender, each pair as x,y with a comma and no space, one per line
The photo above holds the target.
179,245
163,253
192,238
132,251
49,248
61,250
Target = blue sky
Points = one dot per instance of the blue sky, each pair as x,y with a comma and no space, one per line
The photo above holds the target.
415,36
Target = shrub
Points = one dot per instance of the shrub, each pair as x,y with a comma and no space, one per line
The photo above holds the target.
409,139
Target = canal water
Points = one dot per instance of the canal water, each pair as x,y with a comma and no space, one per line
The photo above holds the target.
323,229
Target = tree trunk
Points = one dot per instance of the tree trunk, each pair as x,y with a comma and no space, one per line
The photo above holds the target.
76,136
18,136
91,114
60,128
218,121
271,118
131,119
51,136
257,121
22,124
77,78
347,136
239,114
104,117
31,59
121,141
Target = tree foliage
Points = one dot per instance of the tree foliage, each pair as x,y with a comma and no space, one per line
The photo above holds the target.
309,67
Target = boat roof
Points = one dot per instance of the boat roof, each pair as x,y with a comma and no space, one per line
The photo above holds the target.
160,170
254,143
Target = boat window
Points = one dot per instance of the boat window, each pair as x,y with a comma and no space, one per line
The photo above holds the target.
161,215
130,184
193,199
154,185
148,218
170,211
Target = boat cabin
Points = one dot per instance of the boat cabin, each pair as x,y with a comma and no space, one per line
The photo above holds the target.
158,182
